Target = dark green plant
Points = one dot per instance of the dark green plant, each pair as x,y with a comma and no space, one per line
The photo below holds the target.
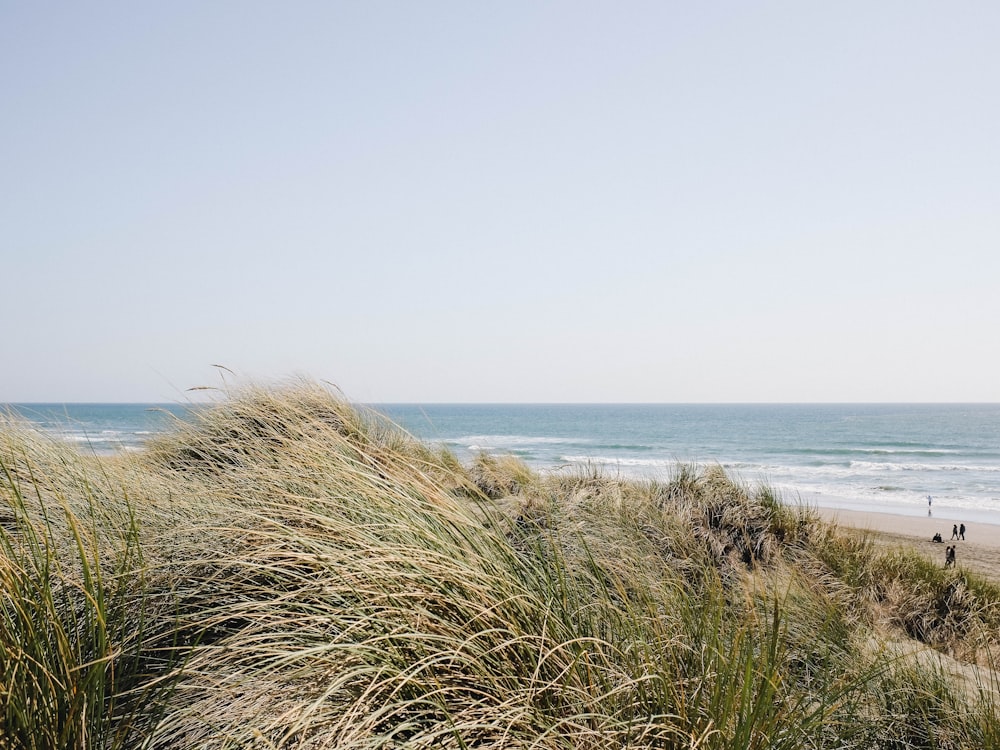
80,664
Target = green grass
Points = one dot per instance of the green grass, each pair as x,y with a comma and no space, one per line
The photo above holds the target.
288,571
80,646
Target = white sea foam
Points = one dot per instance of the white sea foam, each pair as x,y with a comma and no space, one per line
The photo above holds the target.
104,437
617,461
873,466
893,451
502,443
513,440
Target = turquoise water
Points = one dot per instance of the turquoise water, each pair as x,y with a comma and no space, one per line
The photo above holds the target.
886,457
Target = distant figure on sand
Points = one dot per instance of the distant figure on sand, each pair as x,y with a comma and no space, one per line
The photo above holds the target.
954,531
949,556
937,539
928,505
961,532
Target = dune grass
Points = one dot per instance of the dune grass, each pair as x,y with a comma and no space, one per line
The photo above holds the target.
289,571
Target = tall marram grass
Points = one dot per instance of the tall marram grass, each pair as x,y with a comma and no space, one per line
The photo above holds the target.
81,647
288,571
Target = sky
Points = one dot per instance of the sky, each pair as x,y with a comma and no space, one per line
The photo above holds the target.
501,201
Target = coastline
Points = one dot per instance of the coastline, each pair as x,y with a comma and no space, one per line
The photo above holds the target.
978,553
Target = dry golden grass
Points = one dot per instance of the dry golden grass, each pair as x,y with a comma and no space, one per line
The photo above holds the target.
286,570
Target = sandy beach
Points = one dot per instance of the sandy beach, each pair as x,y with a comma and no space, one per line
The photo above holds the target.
979,552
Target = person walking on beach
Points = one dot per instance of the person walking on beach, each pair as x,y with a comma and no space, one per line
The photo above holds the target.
928,505
954,531
949,556
961,532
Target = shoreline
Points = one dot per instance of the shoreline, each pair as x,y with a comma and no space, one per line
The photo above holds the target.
979,552
917,527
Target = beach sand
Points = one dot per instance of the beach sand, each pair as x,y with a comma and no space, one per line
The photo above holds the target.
978,553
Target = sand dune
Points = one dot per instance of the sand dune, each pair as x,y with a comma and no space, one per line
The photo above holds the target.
979,552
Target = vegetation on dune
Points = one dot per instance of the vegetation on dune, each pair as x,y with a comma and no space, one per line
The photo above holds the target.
288,571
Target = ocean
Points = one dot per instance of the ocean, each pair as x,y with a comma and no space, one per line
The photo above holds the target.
101,428
872,457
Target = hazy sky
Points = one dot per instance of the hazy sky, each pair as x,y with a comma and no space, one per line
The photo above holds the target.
502,201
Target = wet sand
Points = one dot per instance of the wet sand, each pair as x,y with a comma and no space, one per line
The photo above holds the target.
978,553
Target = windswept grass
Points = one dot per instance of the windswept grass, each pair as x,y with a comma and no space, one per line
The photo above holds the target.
83,636
288,571
950,610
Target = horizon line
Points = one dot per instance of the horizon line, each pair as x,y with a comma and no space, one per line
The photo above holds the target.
536,403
